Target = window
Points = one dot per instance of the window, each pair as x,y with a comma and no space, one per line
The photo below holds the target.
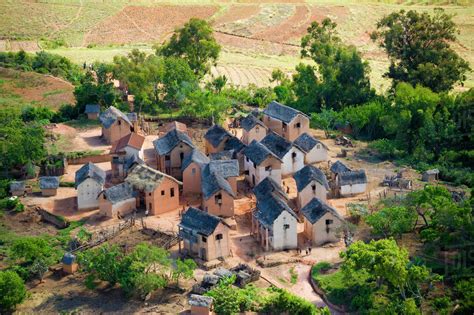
162,192
219,237
268,168
204,239
318,146
293,155
254,165
149,194
167,158
328,221
119,122
172,192
246,158
218,199
313,187
286,226
298,125
193,170
246,172
181,156
283,125
257,129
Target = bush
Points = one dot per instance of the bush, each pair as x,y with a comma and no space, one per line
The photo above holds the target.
386,149
12,290
31,113
11,204
65,113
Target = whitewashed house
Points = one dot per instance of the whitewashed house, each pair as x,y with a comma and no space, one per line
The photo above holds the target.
89,182
351,183
315,151
252,129
291,156
310,183
259,163
322,223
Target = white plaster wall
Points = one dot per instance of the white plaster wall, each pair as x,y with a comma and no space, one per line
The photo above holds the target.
284,238
87,193
290,165
348,190
321,235
260,173
129,152
307,193
316,155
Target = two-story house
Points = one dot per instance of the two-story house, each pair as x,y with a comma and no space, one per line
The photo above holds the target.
285,121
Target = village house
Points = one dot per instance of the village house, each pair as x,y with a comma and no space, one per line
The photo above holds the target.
237,147
315,151
49,185
176,125
192,167
322,223
19,188
269,186
260,163
310,183
351,183
292,158
171,150
92,111
215,139
337,168
285,121
201,305
117,201
430,175
89,182
204,235
252,129
217,194
123,152
115,125
158,192
274,224
228,169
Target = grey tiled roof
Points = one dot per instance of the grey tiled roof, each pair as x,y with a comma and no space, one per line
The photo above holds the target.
281,112
277,144
212,183
169,141
223,155
144,178
306,142
49,182
352,178
199,221
216,134
108,117
251,121
224,168
269,209
268,186
339,167
432,171
92,109
258,153
17,185
200,300
132,116
120,192
90,170
234,144
197,157
307,174
316,208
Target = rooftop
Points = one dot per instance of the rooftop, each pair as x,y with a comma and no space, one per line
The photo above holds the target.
268,186
258,153
281,112
111,115
200,300
352,178
176,125
307,174
216,134
49,182
118,193
197,157
251,121
199,221
306,143
144,178
92,109
17,185
316,209
339,167
269,209
222,155
211,183
169,141
225,168
131,140
277,144
234,144
90,170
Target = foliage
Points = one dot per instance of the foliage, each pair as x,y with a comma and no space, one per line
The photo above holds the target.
282,301
12,290
392,221
206,105
465,294
31,113
195,43
92,91
11,204
418,45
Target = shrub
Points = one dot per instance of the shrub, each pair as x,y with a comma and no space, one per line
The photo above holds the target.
12,290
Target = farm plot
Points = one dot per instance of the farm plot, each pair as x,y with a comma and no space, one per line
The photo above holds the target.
135,24
243,75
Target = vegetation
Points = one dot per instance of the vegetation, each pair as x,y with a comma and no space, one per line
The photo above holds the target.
12,290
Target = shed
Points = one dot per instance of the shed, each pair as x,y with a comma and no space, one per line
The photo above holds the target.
49,185
117,200
19,188
430,175
70,265
200,304
321,222
315,151
215,138
92,111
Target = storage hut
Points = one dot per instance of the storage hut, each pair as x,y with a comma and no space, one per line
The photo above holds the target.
49,185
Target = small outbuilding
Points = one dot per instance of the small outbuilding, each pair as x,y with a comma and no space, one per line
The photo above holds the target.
322,223
351,183
215,139
19,188
115,125
117,201
176,125
430,175
314,150
70,265
310,183
49,185
89,182
337,168
92,111
201,305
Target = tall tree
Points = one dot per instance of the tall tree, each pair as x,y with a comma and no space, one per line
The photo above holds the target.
195,43
418,45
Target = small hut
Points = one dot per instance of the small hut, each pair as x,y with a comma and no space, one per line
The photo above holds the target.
69,263
200,304
92,111
430,175
49,185
18,188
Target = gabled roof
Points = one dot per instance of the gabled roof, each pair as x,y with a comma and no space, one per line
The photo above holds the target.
268,186
169,141
222,155
234,144
306,143
145,178
200,300
352,178
17,185
212,183
132,116
339,167
277,144
132,140
176,125
307,174
199,221
90,170
216,134
316,209
270,208
197,157
92,109
281,112
251,121
432,171
118,193
111,115
224,168
258,153
49,182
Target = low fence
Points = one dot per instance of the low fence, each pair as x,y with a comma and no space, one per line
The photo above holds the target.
99,158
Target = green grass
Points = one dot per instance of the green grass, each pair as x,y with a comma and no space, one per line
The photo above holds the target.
293,276
83,123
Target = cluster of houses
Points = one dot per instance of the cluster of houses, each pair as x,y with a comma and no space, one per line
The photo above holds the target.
275,144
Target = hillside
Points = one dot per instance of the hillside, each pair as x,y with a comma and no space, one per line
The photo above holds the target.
257,36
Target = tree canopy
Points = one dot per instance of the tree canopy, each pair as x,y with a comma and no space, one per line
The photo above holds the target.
12,290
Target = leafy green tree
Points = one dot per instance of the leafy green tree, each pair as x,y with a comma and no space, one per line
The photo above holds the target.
184,269
418,45
206,105
12,290
28,249
92,91
195,43
392,221
281,301
39,268
324,120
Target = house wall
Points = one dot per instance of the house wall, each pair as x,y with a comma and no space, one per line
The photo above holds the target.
119,129
259,172
93,116
320,233
210,149
284,238
291,132
123,207
49,192
316,155
18,193
192,179
173,165
212,247
225,209
291,165
307,194
256,133
87,193
347,190
233,184
200,310
129,152
158,203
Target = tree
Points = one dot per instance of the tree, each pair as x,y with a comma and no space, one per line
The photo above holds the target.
418,45
12,290
392,221
281,301
92,91
195,43
39,268
184,269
